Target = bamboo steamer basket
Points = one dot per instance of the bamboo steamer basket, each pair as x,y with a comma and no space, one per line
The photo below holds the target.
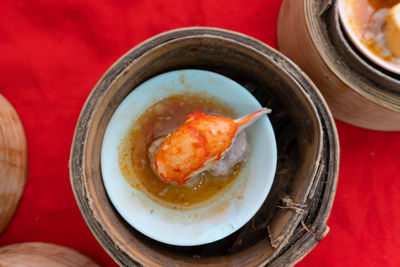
357,91
13,161
293,218
34,254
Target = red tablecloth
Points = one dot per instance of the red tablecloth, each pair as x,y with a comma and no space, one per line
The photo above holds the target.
52,53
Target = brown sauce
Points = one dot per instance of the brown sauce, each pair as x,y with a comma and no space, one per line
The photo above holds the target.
378,4
159,120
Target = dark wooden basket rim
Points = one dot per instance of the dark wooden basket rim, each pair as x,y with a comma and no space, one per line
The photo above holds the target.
302,241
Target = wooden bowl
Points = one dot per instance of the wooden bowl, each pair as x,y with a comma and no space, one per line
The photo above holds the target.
13,162
357,91
44,255
293,218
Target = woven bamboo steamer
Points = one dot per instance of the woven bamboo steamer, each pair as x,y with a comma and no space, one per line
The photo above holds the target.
34,254
357,91
293,218
13,162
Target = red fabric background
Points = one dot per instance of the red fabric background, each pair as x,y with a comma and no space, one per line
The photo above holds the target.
52,53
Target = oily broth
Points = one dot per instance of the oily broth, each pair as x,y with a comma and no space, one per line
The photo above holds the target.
159,120
378,4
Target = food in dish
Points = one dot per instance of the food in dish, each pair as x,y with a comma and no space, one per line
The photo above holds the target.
199,144
376,25
138,150
225,166
203,210
393,30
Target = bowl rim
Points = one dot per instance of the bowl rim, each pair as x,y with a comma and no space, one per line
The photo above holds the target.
394,68
192,79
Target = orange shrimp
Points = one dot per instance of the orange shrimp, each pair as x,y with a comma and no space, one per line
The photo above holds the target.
200,142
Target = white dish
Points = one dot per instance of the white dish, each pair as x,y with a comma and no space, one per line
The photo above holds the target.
224,215
346,12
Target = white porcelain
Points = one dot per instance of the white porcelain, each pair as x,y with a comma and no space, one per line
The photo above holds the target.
215,220
346,9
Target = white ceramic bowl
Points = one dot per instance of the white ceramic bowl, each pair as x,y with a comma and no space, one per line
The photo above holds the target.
227,213
346,12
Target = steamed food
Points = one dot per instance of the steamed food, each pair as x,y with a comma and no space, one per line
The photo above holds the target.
376,24
147,134
393,30
236,154
198,144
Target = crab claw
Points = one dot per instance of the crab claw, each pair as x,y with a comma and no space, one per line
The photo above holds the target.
198,144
